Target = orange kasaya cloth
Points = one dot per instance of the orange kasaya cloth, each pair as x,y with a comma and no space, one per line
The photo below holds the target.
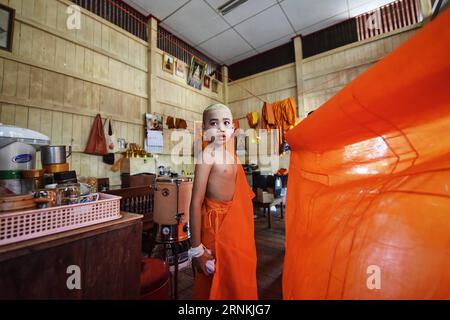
368,196
228,231
279,115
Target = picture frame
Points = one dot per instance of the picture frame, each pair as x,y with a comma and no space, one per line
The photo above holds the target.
168,63
154,122
215,86
180,68
196,73
207,82
7,16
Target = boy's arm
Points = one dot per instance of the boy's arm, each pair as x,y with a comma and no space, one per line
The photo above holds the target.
202,172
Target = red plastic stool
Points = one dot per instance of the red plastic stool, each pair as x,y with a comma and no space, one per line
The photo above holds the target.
155,280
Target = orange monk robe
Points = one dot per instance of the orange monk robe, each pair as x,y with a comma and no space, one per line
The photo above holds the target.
368,201
228,230
279,115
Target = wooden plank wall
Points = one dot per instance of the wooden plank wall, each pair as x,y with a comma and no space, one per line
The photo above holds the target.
177,99
270,86
323,76
56,80
326,74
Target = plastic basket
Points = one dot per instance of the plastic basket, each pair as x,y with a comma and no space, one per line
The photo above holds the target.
24,225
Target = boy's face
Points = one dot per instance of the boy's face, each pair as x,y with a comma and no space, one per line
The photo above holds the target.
218,126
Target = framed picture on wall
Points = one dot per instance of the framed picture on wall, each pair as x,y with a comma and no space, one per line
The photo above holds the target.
196,73
215,86
6,27
168,63
154,121
180,68
207,82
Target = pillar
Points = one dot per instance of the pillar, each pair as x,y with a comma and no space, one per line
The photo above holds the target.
301,112
152,65
224,71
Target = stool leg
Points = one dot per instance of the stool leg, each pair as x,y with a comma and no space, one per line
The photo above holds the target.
175,285
151,247
281,210
268,216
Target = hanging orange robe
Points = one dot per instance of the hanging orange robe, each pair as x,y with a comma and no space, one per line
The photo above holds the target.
228,230
368,201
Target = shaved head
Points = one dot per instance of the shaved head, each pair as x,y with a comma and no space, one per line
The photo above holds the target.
213,107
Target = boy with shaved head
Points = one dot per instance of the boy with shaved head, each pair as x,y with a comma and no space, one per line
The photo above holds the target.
223,246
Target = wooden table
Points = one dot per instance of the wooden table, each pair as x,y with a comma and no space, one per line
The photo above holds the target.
108,256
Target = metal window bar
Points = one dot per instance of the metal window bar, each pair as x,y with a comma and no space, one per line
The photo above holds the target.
393,16
118,13
176,47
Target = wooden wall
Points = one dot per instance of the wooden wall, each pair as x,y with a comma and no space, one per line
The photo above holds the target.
323,76
177,99
247,95
326,74
56,80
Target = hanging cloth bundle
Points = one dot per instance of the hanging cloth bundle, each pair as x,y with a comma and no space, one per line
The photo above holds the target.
111,142
253,120
96,143
279,115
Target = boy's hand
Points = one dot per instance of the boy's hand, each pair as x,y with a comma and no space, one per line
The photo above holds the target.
200,262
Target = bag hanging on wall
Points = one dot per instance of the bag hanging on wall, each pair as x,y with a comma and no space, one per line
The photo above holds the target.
111,142
110,136
96,143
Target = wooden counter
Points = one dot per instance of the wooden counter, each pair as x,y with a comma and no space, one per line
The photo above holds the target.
108,256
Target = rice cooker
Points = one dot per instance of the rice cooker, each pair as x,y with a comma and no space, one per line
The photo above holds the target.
18,147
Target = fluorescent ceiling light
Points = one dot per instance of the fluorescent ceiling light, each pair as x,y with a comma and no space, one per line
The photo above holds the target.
230,5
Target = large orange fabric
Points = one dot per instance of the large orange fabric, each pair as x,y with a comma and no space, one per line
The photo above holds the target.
228,231
369,182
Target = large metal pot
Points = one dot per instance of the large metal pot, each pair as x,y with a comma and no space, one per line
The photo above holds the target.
54,154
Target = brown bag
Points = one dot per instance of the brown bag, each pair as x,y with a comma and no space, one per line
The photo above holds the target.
97,141
180,124
170,123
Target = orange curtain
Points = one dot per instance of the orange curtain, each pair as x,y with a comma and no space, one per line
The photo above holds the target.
368,203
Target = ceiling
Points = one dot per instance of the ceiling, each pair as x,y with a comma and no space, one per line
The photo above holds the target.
254,27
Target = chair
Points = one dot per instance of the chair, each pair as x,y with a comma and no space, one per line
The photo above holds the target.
155,280
137,200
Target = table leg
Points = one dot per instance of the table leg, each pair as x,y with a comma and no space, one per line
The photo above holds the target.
268,216
281,210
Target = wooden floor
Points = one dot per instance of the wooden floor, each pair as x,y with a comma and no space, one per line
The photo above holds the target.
270,253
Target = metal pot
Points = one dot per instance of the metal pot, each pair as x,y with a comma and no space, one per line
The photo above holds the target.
54,154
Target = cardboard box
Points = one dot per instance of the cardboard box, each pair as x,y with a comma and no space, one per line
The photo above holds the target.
134,166
264,196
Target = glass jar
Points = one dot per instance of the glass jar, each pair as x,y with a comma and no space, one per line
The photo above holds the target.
33,179
67,193
45,198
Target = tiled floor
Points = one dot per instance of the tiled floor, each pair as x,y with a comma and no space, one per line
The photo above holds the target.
270,253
